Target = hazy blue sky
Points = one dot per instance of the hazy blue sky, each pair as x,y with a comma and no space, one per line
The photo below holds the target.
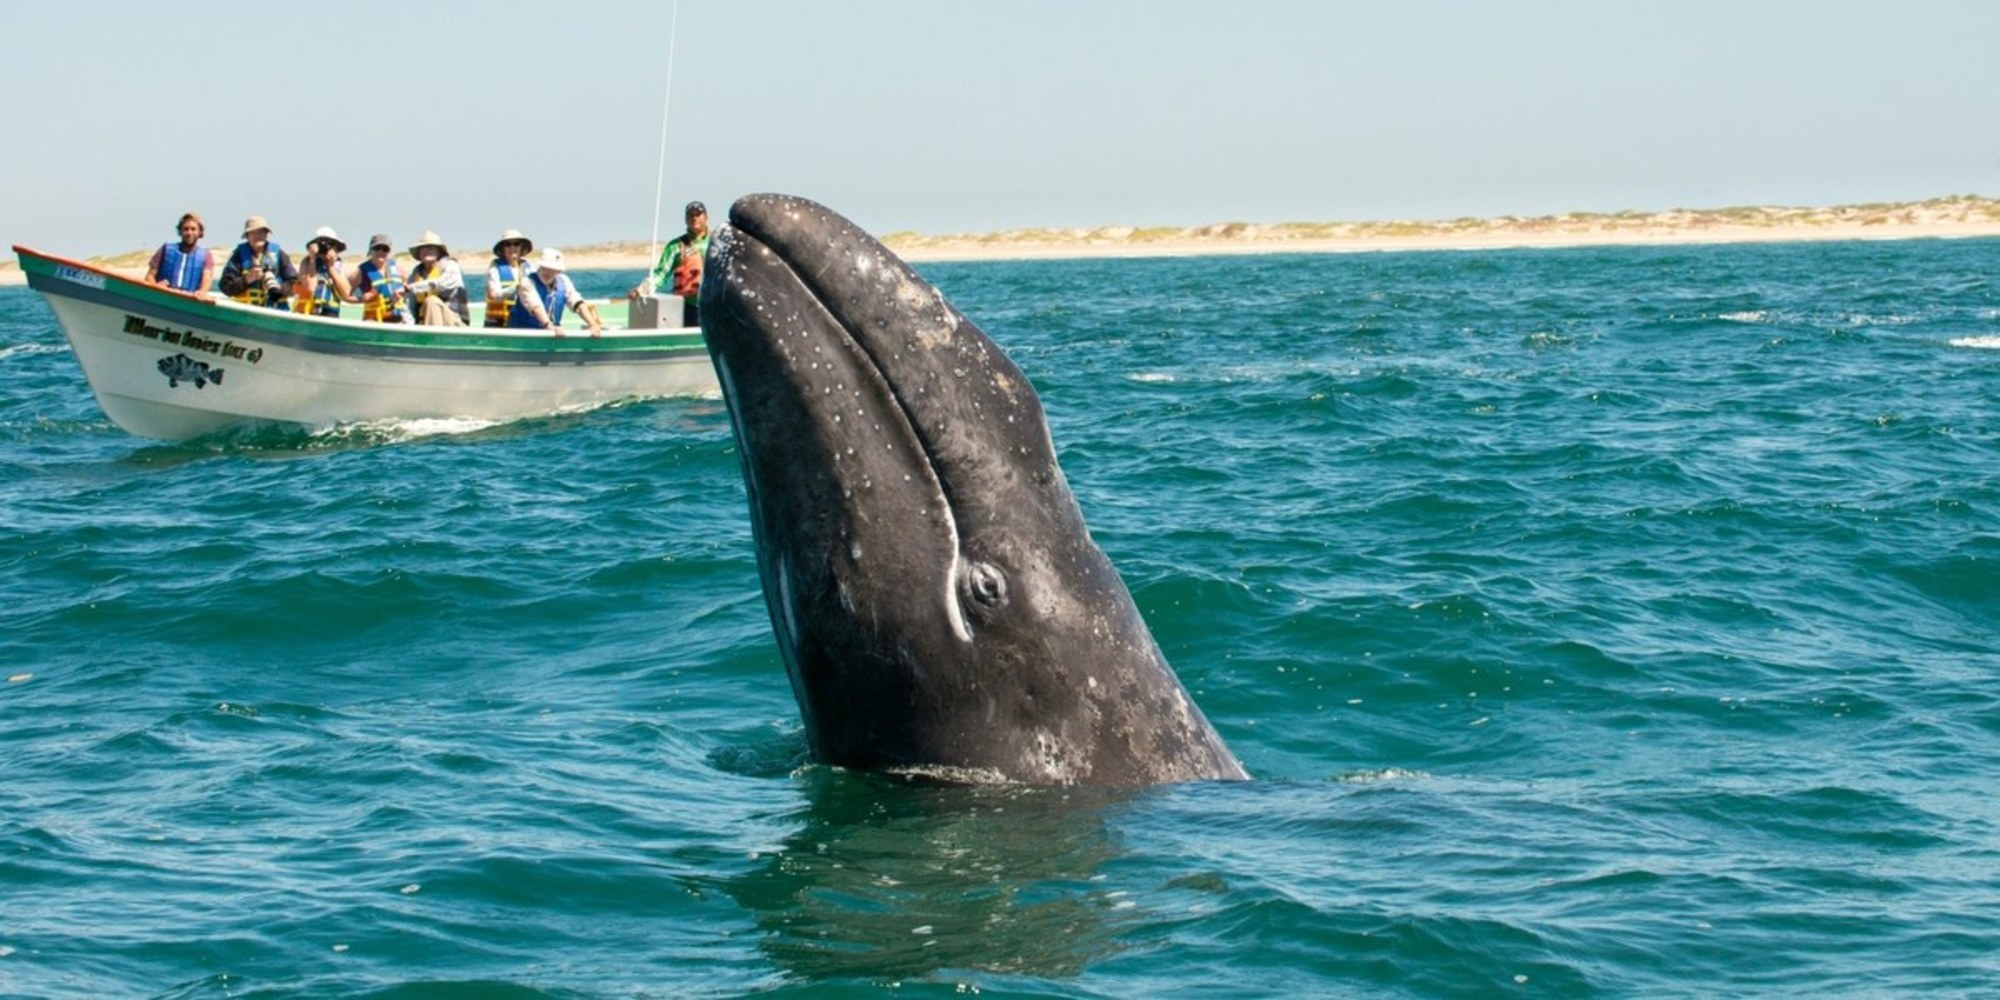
953,116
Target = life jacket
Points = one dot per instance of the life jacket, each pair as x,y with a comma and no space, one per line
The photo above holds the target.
244,260
500,294
325,299
388,304
552,298
687,270
181,269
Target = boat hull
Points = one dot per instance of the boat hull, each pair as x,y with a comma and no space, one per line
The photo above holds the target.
164,364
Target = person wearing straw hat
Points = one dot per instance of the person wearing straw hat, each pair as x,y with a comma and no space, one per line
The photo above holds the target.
681,260
259,272
437,283
322,284
540,300
505,274
187,265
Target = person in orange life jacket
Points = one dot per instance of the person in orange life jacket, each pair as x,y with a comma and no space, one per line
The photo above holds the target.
437,283
681,259
505,274
186,265
322,284
259,272
539,301
379,283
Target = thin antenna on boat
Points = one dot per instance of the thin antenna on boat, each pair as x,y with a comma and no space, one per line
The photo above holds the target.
666,102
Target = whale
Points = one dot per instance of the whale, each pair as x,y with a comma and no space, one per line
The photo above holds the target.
940,607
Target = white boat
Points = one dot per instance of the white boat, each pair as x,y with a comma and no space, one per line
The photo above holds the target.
167,364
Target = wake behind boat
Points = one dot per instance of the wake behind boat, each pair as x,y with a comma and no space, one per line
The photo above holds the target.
166,364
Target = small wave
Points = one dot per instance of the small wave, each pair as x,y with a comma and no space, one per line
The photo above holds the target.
1749,316
1890,319
388,431
1155,377
1381,775
12,350
1988,342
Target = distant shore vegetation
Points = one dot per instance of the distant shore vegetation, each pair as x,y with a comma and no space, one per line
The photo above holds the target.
1966,209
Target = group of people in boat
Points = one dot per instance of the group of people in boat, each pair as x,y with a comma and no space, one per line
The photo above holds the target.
521,292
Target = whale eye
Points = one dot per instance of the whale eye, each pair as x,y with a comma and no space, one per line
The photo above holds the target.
985,585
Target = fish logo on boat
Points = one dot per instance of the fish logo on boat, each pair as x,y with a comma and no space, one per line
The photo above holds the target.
181,368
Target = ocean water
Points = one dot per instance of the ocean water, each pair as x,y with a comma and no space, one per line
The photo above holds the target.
1596,622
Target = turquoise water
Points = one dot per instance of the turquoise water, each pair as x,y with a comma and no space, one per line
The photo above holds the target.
1599,622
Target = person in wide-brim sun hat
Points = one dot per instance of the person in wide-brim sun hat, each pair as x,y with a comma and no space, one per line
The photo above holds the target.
513,236
437,283
505,274
427,239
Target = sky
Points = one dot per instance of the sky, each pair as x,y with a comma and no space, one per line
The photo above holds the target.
953,117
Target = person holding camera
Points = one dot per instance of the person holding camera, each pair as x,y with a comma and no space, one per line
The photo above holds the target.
259,272
322,284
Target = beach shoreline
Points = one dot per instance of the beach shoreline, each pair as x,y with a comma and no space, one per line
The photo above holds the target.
1940,218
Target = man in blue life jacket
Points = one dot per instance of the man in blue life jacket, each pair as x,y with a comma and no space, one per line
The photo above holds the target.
186,266
539,301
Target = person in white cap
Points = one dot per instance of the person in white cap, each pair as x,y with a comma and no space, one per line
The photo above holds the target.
322,284
539,301
258,273
437,283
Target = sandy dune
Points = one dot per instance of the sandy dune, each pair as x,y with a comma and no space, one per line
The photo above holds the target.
1957,216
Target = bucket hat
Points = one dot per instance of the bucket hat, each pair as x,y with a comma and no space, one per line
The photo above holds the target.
429,238
512,235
